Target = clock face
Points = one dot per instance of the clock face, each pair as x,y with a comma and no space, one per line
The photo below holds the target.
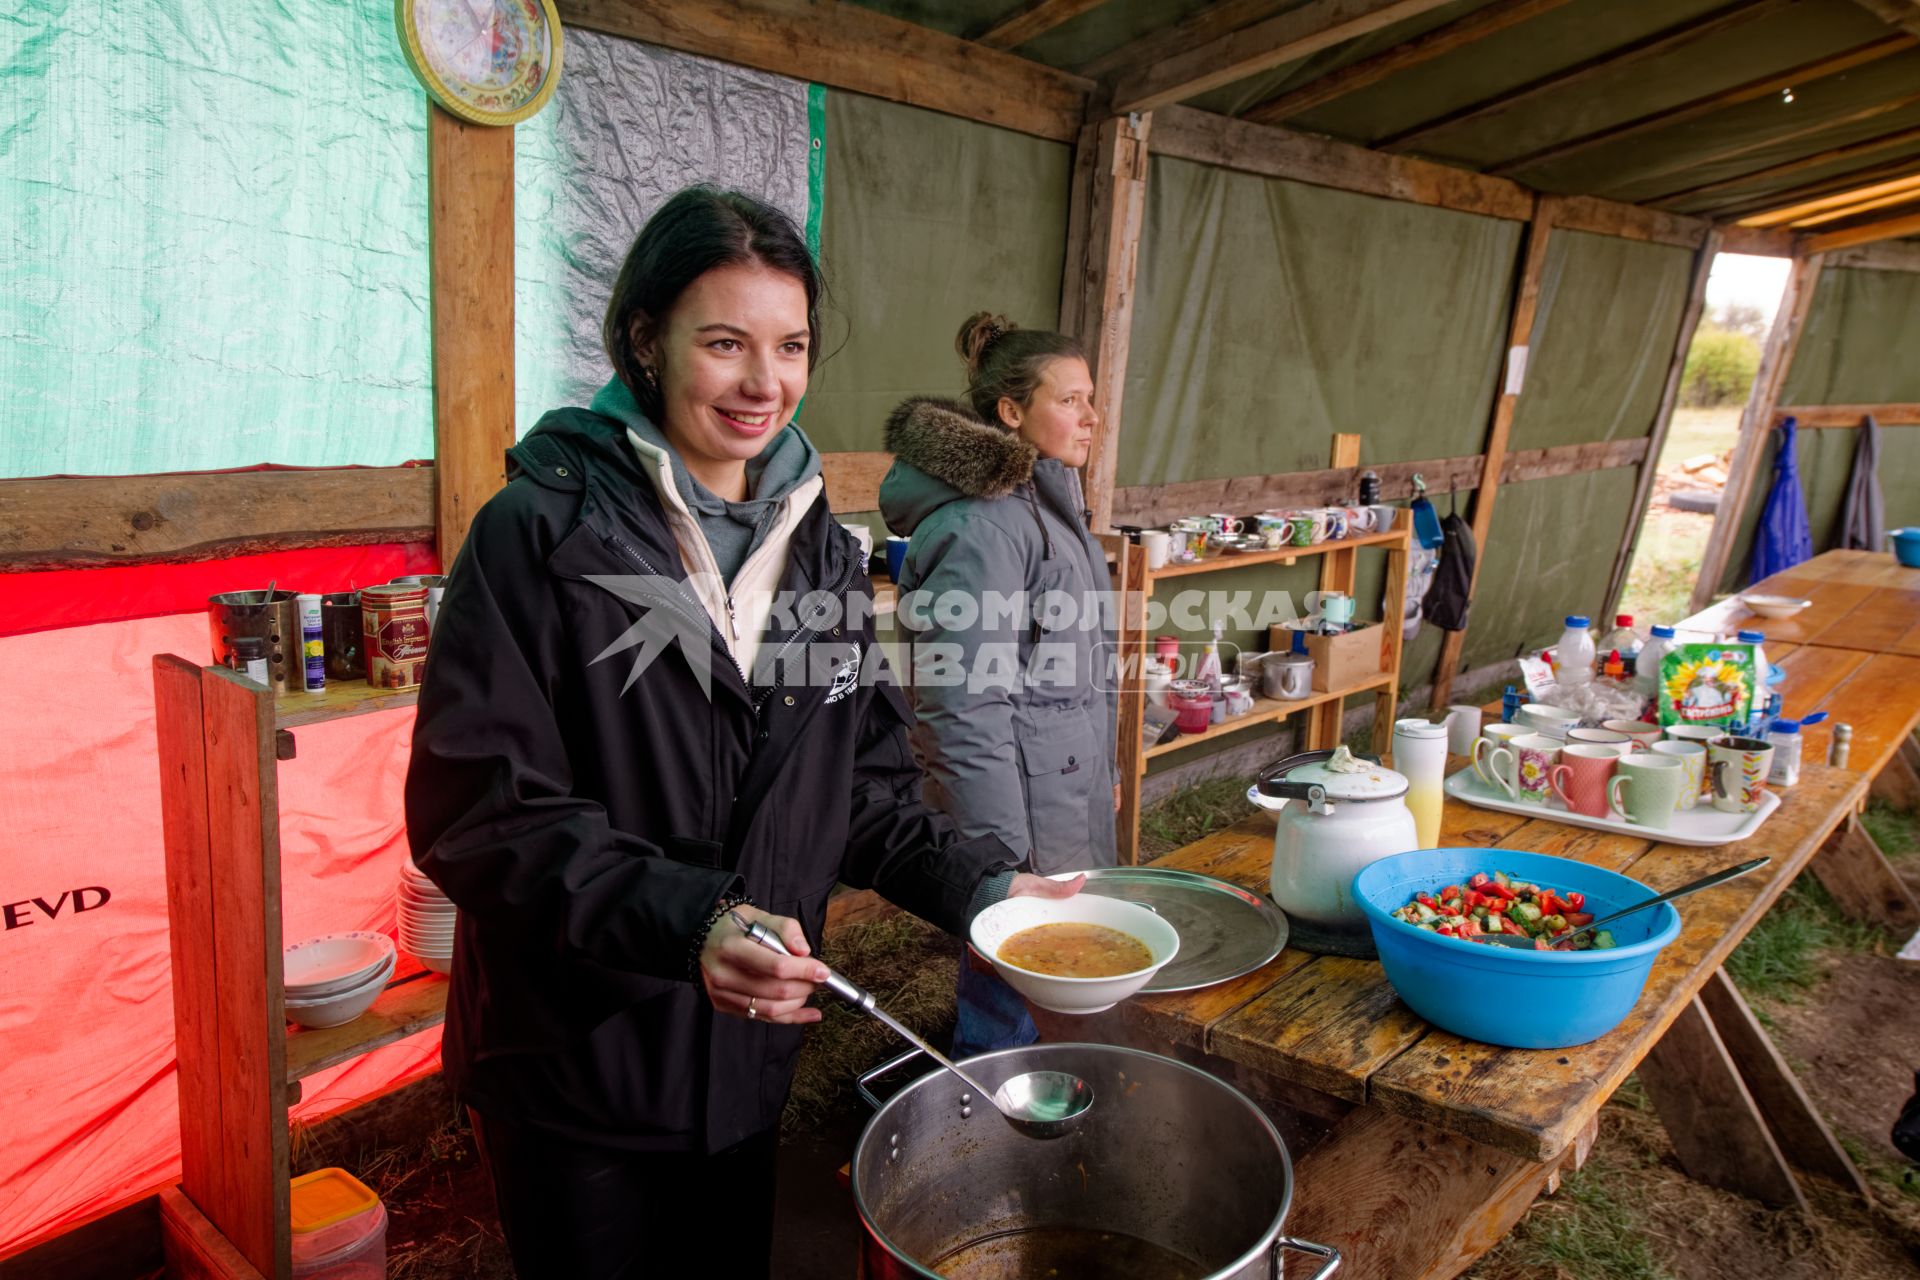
488,61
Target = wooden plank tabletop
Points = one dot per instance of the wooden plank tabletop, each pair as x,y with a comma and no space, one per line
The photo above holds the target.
1334,1025
1861,600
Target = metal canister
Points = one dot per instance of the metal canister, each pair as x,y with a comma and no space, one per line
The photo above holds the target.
393,624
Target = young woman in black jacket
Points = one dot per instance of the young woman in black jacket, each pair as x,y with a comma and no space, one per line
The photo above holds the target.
654,694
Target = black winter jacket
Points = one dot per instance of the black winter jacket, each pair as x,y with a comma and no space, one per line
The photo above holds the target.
586,829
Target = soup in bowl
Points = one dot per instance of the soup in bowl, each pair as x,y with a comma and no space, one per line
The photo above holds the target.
1076,968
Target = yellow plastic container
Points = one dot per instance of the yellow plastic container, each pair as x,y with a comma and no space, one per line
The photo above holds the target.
339,1228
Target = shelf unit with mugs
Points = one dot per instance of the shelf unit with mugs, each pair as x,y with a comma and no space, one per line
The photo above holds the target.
220,739
1322,709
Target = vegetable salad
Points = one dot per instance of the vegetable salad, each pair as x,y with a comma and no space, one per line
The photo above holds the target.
1498,903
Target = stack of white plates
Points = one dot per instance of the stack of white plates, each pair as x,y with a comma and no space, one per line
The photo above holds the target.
332,979
426,919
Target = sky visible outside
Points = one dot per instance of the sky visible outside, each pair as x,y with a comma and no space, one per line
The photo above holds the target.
1743,278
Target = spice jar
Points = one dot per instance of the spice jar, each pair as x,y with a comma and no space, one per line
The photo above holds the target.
393,620
250,658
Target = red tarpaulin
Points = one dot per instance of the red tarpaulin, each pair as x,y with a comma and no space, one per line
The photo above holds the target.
86,1003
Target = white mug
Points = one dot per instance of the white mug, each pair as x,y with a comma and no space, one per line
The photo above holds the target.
1552,721
1492,737
1158,544
1463,726
1693,758
864,536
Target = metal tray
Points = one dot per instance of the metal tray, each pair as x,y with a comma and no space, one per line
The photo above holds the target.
1701,825
1225,931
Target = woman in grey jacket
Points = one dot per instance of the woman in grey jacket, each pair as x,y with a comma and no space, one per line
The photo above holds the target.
1003,599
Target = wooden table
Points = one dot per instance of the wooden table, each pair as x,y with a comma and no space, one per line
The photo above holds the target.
1415,1150
1856,656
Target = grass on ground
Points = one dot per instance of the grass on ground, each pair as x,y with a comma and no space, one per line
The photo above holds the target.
1780,958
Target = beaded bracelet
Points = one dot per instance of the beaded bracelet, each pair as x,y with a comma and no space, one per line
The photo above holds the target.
728,901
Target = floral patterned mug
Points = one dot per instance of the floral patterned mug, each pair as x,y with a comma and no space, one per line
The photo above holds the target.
1533,755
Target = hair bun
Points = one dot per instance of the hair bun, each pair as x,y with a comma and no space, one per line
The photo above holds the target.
980,331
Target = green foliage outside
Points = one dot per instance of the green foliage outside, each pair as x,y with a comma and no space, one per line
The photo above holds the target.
1720,368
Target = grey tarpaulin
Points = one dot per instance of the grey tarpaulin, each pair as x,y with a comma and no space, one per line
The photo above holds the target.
1863,519
629,126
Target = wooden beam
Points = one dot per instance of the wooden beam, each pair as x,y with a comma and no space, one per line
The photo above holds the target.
1130,579
1796,1124
1849,212
1899,13
1203,136
853,479
1789,320
1852,868
1753,208
1033,20
1696,306
1523,465
470,244
1832,155
1887,229
1760,242
1526,306
1720,100
1814,417
1663,41
71,522
1100,279
1201,27
1716,1127
1284,38
851,47
1458,34
1886,255
1628,221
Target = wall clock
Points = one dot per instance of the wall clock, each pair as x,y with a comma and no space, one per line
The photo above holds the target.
492,62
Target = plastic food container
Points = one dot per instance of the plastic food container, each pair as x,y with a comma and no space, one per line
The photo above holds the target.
339,1228
1504,996
1906,547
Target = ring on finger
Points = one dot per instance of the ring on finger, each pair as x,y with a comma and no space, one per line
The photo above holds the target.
752,1012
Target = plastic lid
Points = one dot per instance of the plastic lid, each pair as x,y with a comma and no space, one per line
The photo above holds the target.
1577,620
327,1196
1622,619
1786,726
1662,630
249,647
1752,637
1377,783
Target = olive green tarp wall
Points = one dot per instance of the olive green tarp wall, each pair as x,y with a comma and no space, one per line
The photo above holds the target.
927,219
1859,347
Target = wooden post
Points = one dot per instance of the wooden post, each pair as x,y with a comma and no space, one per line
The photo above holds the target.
1663,419
1338,571
1109,208
471,246
1130,577
1755,421
1853,869
1716,1128
1393,617
1519,344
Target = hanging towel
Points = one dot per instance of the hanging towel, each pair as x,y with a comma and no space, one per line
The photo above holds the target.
1782,539
1863,518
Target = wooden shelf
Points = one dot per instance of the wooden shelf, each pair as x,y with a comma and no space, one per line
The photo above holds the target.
1266,711
1282,556
409,1005
342,698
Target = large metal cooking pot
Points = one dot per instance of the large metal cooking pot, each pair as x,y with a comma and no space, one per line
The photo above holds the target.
1173,1175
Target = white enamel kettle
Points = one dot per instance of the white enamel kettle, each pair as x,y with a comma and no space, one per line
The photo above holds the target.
1330,825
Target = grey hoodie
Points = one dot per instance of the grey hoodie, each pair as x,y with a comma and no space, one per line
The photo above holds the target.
1025,750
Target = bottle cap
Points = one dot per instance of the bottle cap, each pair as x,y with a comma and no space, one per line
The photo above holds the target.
1662,630
249,647
1786,726
1577,620
1623,620
1752,637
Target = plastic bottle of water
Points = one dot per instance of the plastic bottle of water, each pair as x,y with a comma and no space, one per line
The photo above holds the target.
1574,654
1646,671
1623,639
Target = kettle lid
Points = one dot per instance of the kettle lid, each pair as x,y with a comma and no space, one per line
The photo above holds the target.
1294,776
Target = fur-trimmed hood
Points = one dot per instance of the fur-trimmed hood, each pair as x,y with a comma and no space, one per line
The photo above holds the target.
943,453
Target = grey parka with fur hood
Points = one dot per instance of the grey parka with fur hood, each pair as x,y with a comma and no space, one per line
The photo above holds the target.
1022,745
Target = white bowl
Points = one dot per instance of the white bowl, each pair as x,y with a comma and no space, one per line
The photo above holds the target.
439,964
337,1009
334,961
295,993
431,937
1775,606
1073,995
426,910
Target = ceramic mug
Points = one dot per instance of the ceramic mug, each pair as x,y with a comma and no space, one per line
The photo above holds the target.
1646,788
1224,525
1309,527
1491,737
1190,538
1639,730
1737,772
1693,756
1275,530
1158,544
1613,740
1463,726
1700,733
1551,721
1580,779
1533,756
1336,518
1359,519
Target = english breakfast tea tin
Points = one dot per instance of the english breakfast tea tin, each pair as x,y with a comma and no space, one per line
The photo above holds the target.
393,620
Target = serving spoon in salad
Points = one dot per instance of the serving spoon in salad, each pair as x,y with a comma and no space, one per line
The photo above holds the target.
1704,882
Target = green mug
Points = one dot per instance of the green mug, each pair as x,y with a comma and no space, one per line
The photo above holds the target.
1652,786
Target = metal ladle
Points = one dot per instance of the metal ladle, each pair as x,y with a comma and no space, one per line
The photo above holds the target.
1704,882
1039,1104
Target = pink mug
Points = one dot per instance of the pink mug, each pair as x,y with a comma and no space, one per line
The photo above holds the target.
1580,780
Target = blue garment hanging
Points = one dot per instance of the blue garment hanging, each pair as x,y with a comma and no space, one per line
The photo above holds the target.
1782,540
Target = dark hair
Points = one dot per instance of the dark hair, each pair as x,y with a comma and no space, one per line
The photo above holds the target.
1006,360
698,229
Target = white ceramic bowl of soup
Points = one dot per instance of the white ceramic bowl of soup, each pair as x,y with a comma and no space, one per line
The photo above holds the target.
1002,920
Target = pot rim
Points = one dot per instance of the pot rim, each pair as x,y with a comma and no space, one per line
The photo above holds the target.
1261,1248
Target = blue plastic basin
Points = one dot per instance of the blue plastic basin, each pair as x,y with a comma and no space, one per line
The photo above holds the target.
1906,547
1502,995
